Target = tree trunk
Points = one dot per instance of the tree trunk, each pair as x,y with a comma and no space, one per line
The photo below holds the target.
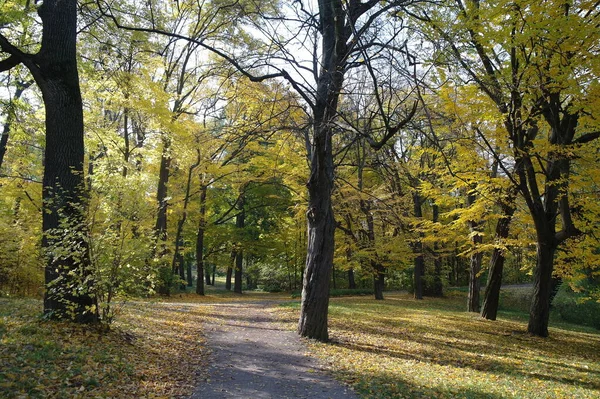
207,277
181,222
491,298
200,241
474,280
10,118
69,286
190,278
160,227
378,280
437,289
539,312
351,280
237,277
239,253
229,272
417,248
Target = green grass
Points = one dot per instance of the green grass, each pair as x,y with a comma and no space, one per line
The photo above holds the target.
403,348
43,359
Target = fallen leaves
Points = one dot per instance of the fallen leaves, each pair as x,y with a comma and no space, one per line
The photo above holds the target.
153,350
432,349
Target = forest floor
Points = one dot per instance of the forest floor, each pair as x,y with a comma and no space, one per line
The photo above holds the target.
225,345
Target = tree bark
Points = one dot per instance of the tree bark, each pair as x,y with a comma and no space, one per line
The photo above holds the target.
417,247
240,220
200,242
69,284
491,299
351,280
10,118
437,289
230,272
160,227
539,312
474,280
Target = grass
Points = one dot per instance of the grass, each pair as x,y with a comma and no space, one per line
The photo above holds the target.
403,348
150,352
397,348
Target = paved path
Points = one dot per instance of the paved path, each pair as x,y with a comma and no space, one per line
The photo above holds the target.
252,357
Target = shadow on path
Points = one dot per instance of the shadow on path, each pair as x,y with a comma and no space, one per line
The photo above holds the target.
252,357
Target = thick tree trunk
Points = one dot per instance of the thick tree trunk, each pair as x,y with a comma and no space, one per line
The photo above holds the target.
321,229
69,287
539,312
491,299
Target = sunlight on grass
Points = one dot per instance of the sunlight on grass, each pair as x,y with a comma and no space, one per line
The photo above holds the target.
152,351
402,348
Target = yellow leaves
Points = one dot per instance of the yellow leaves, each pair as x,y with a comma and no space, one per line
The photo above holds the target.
149,353
404,348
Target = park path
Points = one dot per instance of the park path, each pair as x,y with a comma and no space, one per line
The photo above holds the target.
254,358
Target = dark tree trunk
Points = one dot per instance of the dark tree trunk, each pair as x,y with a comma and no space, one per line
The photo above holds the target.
181,222
69,288
491,298
378,280
351,280
160,227
214,271
229,272
475,262
10,118
190,278
321,229
474,280
417,248
240,221
437,288
200,242
539,312
237,276
207,277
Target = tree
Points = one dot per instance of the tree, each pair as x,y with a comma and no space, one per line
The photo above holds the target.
69,288
532,61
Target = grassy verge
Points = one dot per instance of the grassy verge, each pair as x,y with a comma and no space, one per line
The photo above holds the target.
402,348
152,351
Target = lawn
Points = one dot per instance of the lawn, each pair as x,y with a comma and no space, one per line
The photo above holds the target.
397,348
151,351
403,348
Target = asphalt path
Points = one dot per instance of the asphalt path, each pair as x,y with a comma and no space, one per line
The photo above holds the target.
254,357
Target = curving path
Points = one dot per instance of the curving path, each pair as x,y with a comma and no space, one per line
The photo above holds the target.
252,357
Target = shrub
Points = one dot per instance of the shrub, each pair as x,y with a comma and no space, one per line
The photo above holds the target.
575,308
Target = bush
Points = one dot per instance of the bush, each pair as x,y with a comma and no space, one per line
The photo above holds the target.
574,308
